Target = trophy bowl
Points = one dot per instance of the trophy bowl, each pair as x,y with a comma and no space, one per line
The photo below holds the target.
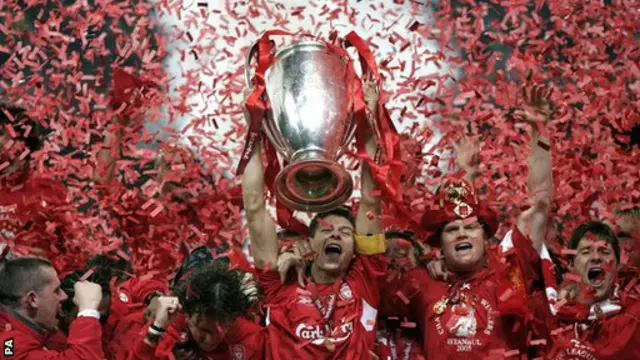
310,123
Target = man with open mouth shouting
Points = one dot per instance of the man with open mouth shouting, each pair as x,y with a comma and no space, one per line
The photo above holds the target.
599,316
333,316
486,306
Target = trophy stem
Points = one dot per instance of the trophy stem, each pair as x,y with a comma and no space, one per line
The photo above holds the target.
315,185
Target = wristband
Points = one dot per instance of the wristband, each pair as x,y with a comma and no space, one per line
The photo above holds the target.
370,244
157,328
153,332
89,313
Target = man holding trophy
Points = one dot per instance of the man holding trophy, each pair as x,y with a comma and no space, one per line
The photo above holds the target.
313,93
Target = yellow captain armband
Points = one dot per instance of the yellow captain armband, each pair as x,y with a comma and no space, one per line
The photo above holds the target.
370,244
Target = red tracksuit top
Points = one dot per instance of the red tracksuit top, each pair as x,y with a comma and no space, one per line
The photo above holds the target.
22,340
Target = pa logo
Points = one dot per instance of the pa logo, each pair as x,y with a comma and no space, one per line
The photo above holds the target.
8,347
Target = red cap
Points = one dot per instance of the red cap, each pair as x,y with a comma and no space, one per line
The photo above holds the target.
456,200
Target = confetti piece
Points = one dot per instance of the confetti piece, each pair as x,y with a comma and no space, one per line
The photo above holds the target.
87,275
402,297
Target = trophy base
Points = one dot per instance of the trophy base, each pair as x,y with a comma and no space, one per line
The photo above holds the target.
313,186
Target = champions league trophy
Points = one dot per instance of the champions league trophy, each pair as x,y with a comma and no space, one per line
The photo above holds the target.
309,121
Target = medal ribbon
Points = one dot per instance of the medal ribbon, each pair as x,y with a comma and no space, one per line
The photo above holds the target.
326,311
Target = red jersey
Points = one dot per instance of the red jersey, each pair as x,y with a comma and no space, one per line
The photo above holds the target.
23,340
332,321
390,346
243,341
128,298
478,315
612,334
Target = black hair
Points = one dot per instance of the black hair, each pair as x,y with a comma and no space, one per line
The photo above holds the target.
601,230
20,276
109,266
214,291
197,258
340,211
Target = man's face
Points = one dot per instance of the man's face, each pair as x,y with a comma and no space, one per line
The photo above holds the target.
333,244
463,244
206,332
47,300
596,264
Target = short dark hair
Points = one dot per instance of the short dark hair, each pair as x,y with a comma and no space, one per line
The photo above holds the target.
601,230
108,266
214,291
340,211
198,257
20,276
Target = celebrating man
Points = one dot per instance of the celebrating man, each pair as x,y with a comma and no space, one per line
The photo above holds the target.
334,317
204,321
485,308
30,299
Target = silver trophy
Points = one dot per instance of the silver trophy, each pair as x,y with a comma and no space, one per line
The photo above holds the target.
310,123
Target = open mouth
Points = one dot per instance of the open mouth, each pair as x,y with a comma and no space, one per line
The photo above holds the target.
463,246
596,276
333,250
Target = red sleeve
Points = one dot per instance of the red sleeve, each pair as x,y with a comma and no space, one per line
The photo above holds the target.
125,334
623,336
528,260
84,343
521,287
270,281
247,340
142,350
367,273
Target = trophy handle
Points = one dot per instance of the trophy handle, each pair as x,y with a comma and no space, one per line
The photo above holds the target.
253,50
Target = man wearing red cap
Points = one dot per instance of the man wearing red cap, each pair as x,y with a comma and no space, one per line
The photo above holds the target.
485,308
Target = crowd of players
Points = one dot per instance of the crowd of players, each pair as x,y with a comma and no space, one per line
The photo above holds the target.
348,289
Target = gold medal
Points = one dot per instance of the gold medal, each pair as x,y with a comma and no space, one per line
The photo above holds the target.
440,306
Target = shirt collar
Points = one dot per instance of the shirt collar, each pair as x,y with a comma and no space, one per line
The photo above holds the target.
30,324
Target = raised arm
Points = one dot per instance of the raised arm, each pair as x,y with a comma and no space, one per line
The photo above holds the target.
108,155
533,221
368,219
262,229
125,98
467,153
